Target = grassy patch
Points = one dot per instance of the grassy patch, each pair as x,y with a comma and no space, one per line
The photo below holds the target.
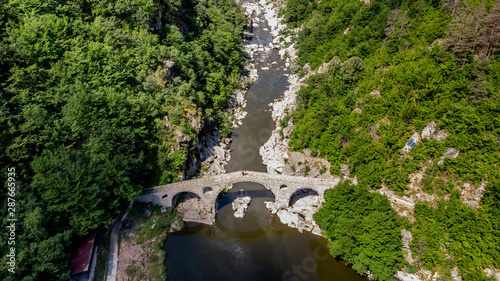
151,235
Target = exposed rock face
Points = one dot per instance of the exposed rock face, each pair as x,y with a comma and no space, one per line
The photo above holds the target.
344,169
295,220
170,70
441,135
300,214
455,274
376,93
406,238
213,153
373,131
404,205
427,133
298,163
405,276
449,153
429,130
240,203
495,273
471,196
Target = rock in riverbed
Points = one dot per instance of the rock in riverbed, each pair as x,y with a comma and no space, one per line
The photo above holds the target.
240,203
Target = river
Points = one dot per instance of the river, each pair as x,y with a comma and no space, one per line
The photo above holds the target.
258,246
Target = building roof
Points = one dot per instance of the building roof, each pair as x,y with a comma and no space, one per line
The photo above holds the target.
80,260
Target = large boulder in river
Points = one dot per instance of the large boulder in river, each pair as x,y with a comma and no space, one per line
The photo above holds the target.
240,203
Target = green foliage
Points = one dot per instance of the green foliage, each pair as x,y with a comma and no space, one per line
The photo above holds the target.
363,230
491,198
395,66
160,222
93,97
338,115
477,275
322,170
411,268
151,232
298,10
456,235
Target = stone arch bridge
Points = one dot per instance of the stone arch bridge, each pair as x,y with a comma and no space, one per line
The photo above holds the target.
208,188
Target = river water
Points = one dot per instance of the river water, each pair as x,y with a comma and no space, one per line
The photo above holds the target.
257,247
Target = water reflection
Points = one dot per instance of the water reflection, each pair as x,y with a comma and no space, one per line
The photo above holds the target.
257,247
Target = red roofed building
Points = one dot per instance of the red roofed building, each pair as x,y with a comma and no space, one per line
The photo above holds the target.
81,259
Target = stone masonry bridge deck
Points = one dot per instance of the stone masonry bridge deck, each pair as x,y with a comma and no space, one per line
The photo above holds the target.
208,188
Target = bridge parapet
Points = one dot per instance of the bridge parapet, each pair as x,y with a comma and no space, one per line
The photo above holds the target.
208,188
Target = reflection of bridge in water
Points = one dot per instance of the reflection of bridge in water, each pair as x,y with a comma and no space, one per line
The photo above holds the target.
208,188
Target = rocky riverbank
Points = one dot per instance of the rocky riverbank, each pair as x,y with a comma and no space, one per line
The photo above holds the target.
212,150
274,152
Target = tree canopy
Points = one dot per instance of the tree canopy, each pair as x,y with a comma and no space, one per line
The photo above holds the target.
395,66
363,230
93,97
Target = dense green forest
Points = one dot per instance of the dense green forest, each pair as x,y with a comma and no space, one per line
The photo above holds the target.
91,94
355,220
394,67
471,237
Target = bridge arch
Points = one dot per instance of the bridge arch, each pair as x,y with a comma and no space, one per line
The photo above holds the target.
207,189
302,193
183,196
259,193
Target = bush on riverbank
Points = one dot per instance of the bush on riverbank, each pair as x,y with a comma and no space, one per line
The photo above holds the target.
363,230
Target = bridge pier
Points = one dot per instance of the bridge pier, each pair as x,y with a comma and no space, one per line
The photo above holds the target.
208,188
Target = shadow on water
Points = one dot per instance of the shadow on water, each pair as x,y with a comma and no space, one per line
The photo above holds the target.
228,198
257,247
302,193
